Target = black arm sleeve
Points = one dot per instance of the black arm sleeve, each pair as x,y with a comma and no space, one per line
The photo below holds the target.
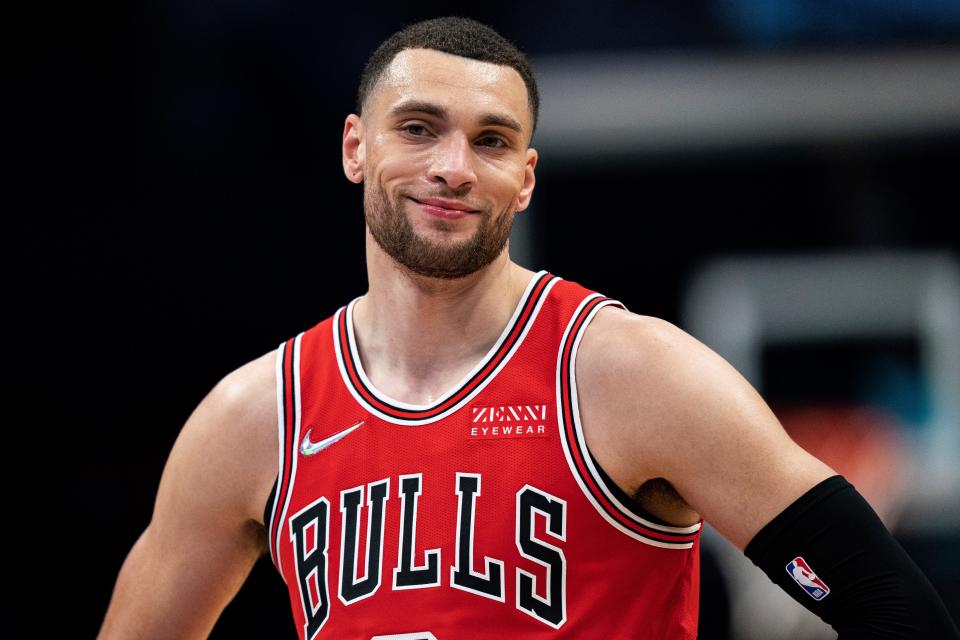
832,554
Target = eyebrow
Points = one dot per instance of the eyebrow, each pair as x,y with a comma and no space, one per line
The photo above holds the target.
435,110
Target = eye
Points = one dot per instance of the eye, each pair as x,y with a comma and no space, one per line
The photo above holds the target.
498,143
414,129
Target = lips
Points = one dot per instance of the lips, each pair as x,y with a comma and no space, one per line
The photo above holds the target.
447,209
440,203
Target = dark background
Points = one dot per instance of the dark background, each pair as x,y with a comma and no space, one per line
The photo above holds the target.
179,209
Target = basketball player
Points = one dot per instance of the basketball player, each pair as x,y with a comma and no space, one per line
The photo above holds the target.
475,450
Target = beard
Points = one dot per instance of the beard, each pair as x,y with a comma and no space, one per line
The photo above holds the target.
392,230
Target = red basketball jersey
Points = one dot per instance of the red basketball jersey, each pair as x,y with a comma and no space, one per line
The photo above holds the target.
482,515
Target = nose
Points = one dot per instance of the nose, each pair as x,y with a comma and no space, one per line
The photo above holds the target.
452,162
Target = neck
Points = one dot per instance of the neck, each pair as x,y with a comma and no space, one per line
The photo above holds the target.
419,336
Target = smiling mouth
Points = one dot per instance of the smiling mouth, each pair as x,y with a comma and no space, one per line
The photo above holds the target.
442,212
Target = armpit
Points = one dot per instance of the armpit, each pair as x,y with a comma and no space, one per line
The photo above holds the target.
257,534
658,497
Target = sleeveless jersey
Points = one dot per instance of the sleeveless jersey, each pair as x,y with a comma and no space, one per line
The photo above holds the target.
482,515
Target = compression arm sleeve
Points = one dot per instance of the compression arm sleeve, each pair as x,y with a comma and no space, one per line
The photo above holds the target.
832,554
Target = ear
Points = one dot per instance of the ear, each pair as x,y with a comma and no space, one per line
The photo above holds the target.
353,148
529,180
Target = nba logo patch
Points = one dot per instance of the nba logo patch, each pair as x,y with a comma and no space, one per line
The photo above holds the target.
801,572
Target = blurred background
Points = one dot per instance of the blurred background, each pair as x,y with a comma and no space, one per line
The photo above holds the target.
773,176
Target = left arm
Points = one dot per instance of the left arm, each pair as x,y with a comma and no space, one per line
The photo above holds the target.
663,405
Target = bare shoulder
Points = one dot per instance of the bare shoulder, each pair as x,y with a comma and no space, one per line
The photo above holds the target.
659,404
232,433
205,533
627,376
651,366
249,402
246,398
633,360
617,337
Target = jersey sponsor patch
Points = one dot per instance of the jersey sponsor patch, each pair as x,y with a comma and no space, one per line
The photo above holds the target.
508,421
804,576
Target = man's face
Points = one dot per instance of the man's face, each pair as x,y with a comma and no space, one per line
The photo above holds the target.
452,132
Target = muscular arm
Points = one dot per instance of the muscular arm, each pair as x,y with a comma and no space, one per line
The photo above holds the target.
204,535
656,403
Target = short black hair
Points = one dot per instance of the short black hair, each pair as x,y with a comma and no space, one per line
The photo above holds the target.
459,36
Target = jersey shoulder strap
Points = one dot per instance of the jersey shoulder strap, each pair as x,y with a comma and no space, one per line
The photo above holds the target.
289,412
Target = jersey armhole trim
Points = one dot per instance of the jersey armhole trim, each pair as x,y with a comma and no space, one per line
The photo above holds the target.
288,430
271,506
587,474
268,508
622,496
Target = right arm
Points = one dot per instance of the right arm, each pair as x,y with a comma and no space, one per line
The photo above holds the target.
205,533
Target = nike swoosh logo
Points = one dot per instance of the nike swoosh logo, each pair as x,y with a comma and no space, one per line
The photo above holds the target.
308,448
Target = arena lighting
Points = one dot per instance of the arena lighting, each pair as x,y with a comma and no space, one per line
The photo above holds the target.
605,104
